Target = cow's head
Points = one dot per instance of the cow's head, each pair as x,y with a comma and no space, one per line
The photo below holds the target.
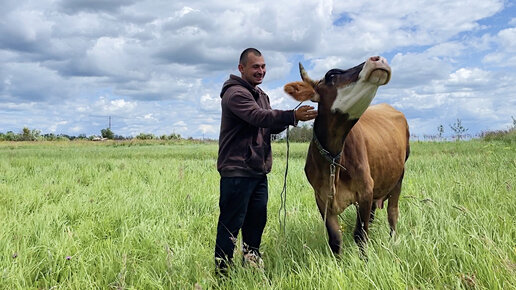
348,92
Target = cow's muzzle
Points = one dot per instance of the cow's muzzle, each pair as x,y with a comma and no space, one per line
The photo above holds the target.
379,76
377,71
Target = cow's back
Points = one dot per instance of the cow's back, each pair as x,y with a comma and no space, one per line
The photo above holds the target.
384,132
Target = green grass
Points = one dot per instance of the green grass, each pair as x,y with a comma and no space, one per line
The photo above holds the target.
143,216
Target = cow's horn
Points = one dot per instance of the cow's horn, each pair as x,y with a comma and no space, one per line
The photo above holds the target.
304,75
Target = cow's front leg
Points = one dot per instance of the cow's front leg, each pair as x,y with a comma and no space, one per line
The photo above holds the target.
334,233
332,227
362,226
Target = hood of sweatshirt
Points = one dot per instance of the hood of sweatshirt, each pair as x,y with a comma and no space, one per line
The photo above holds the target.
238,81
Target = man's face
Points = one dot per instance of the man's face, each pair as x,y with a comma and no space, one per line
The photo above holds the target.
254,71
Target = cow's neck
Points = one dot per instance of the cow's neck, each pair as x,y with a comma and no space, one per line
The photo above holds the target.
331,131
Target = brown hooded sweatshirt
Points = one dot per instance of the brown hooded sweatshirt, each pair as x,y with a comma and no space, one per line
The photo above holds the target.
245,129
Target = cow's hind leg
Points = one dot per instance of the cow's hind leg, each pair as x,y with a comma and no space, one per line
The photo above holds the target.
373,211
362,226
392,208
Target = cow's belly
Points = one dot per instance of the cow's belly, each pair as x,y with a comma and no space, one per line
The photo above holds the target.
386,174
386,165
385,139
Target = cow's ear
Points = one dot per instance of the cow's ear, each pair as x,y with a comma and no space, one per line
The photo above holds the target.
301,91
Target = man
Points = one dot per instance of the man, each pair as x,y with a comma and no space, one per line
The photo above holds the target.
245,158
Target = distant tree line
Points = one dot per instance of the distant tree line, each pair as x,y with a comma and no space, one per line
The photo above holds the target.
144,136
458,132
302,133
105,134
507,136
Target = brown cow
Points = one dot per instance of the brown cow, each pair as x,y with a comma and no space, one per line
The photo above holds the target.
357,154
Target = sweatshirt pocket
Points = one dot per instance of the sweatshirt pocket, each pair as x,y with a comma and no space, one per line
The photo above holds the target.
254,158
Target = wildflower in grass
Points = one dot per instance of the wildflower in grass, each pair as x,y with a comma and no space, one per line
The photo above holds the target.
15,255
68,258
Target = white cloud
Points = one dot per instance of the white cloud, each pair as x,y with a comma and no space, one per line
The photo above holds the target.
402,24
186,10
464,77
504,55
281,100
76,129
158,66
180,124
148,118
446,50
53,127
507,38
417,69
209,103
36,27
206,128
19,106
104,106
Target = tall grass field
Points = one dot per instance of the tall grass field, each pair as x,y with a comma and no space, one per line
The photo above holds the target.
143,216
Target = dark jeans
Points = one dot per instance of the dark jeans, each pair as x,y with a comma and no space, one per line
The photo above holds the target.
243,205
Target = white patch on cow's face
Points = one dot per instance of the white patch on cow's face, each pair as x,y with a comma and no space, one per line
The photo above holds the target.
354,99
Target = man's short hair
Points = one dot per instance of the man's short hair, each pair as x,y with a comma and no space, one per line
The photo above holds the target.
245,53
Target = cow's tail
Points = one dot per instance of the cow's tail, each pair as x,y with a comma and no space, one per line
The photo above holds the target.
408,143
407,152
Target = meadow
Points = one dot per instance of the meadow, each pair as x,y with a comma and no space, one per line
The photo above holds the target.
142,215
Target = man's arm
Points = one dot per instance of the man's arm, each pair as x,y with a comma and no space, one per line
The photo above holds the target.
245,107
303,113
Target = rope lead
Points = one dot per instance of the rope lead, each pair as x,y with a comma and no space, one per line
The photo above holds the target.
283,194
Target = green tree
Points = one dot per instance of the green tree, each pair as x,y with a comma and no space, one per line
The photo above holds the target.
301,134
174,136
460,131
144,136
29,135
10,136
440,130
107,133
50,137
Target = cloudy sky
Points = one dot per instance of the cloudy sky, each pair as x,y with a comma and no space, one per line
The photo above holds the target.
157,66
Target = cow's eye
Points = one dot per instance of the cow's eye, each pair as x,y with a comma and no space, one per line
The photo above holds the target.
332,79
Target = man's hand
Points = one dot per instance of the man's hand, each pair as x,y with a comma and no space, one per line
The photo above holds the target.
305,113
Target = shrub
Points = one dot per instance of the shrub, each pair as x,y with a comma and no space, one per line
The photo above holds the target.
107,133
507,136
143,136
460,131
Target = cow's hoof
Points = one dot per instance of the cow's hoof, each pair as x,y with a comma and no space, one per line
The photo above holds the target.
335,250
